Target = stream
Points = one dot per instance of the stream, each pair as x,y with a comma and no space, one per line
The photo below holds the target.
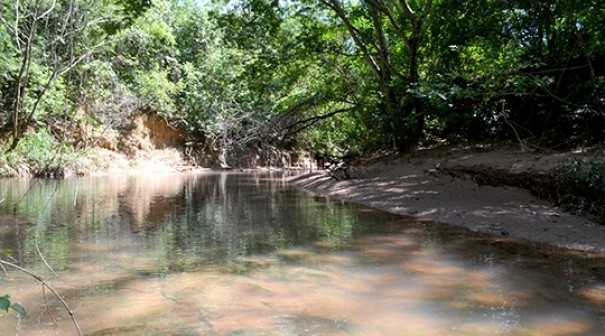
248,254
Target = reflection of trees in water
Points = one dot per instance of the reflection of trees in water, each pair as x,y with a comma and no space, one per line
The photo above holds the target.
97,207
226,215
147,199
197,218
29,219
204,224
229,215
13,231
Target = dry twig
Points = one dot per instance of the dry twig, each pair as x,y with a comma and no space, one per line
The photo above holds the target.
49,287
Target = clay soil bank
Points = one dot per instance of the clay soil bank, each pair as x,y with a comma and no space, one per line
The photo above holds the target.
419,186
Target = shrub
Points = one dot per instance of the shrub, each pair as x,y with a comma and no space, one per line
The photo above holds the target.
583,182
40,152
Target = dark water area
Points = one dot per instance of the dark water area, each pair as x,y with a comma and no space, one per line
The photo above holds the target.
247,254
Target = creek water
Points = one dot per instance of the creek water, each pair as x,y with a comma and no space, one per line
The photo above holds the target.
247,254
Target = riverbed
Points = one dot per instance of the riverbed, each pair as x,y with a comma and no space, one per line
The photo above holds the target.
248,254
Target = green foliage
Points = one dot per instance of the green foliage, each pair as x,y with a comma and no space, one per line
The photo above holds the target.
584,186
304,75
526,55
155,89
589,172
40,151
6,304
339,135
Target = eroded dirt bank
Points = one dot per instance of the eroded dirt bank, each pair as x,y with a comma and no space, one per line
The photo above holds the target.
423,186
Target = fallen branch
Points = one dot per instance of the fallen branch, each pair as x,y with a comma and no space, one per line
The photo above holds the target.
46,285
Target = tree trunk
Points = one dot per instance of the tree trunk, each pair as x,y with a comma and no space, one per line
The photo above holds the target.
405,116
413,109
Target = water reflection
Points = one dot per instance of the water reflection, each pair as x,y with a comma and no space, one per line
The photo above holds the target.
242,254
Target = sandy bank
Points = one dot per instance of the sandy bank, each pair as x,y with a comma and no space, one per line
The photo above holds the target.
412,186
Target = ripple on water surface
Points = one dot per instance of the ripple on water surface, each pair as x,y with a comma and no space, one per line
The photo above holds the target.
246,254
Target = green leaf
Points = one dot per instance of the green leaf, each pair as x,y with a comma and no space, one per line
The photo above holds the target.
19,309
7,251
5,302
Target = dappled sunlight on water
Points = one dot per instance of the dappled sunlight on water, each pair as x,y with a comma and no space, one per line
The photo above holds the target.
238,254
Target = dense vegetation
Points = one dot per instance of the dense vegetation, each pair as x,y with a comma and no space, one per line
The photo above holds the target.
319,75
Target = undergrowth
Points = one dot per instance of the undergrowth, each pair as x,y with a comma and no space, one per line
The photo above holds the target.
583,186
38,153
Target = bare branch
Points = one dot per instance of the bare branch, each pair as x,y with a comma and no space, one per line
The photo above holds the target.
296,108
50,313
406,7
17,25
52,7
71,313
384,56
8,26
382,8
23,73
81,58
417,21
301,125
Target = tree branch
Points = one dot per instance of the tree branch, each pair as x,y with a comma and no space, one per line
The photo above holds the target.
47,11
71,313
382,8
17,25
306,123
355,34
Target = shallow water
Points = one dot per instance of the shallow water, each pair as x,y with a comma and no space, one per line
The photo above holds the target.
244,254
